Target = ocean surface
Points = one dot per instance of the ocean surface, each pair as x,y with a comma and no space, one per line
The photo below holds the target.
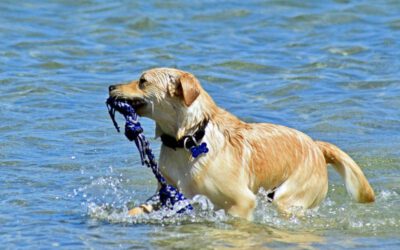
328,68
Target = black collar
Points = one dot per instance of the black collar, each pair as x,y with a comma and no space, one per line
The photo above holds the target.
188,141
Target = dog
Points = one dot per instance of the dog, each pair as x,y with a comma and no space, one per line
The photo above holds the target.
242,158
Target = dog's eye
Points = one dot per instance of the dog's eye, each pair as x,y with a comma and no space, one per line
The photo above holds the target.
142,83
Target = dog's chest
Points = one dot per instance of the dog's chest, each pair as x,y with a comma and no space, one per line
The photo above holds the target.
181,170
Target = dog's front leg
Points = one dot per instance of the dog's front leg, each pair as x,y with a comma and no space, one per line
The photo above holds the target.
243,206
144,208
153,203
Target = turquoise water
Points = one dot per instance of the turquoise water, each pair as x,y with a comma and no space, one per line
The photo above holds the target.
328,68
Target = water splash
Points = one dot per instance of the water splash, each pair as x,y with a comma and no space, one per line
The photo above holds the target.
338,213
106,199
202,213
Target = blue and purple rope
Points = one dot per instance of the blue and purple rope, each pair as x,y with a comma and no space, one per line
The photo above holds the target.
169,196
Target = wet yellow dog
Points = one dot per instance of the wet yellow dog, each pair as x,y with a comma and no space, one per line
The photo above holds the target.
242,158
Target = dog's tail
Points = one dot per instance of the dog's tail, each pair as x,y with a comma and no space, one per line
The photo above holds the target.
356,183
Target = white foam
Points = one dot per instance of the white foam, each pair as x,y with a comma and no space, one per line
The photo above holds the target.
107,199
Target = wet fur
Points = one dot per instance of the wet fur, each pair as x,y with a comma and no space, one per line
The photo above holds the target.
243,157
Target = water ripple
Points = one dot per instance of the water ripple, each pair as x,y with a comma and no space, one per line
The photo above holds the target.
67,179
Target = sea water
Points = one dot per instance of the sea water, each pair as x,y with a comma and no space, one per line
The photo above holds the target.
328,68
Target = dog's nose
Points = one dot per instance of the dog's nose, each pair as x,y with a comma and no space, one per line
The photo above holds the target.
111,87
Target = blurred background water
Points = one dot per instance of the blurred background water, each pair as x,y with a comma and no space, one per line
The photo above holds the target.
328,68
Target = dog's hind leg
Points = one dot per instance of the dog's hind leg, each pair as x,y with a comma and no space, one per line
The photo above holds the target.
291,200
306,188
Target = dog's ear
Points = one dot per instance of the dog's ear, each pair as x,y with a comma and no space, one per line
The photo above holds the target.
189,88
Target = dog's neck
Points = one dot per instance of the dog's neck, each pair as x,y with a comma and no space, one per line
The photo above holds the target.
187,121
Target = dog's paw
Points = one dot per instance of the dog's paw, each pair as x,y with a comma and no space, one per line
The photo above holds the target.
140,210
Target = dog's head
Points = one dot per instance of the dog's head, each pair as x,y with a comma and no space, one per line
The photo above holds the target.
168,96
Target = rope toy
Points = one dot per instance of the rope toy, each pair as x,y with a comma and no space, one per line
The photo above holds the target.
169,196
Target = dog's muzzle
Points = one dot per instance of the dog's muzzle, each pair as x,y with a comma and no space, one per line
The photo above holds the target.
136,102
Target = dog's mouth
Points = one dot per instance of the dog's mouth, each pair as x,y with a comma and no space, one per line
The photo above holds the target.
135,102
